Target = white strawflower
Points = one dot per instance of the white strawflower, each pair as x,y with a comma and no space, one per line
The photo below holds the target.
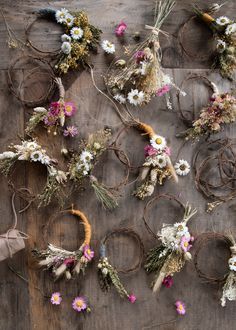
86,156
182,167
158,142
31,145
135,97
66,47
76,33
108,47
220,45
181,229
230,29
222,20
69,20
65,37
119,98
40,110
61,15
36,156
7,155
161,161
232,264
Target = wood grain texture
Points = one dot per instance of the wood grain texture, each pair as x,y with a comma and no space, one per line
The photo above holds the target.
23,307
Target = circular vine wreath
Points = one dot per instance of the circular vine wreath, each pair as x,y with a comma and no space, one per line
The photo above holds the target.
229,279
79,38
225,159
17,90
30,150
62,262
108,275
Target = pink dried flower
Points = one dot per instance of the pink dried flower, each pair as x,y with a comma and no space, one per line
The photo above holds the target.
184,243
69,262
56,298
120,29
88,253
49,119
180,307
54,108
79,304
139,56
132,298
70,131
150,151
69,109
163,90
168,281
167,151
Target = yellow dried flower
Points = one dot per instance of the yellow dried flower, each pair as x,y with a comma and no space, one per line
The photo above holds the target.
88,36
64,67
83,17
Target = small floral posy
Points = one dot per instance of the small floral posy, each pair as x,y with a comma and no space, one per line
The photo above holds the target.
66,263
79,38
30,150
224,30
157,165
169,257
140,77
221,110
80,304
54,118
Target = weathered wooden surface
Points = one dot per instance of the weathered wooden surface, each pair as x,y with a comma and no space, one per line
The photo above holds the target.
22,306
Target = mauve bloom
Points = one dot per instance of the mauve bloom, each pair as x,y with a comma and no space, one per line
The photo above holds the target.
69,109
88,253
139,56
180,307
168,281
49,119
69,262
150,151
163,90
120,29
132,298
56,298
167,151
79,304
55,108
185,243
70,131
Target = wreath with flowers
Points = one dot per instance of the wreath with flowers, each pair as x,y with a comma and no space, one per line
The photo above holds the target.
79,39
54,118
170,256
30,150
66,263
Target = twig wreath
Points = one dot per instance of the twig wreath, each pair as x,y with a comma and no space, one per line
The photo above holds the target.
79,38
228,280
222,159
83,162
140,77
30,150
170,256
220,110
40,66
66,263
54,118
224,32
157,165
108,275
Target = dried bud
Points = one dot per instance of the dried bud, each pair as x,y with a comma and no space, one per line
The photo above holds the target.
68,275
120,63
213,8
230,50
136,36
64,152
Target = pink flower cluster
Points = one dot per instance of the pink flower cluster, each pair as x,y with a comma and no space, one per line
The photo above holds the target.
120,29
150,151
57,110
139,56
185,243
163,90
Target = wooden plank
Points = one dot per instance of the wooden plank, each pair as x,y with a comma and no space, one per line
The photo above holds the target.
23,306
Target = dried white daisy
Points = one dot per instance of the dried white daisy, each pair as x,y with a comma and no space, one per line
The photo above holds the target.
65,37
36,156
76,33
119,98
161,161
61,15
220,46
108,47
69,20
84,167
182,167
135,97
86,156
230,29
222,20
66,47
158,142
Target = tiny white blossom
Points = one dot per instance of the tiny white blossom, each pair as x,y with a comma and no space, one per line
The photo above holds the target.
136,97
61,15
65,37
108,47
66,47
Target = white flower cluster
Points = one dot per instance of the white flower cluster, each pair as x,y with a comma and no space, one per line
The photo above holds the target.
76,33
232,264
171,236
231,26
84,164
